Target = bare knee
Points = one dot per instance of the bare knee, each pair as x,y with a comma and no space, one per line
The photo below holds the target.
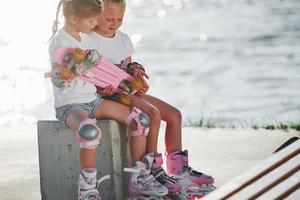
173,117
154,114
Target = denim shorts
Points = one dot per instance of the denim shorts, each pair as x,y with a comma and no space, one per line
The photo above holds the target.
91,107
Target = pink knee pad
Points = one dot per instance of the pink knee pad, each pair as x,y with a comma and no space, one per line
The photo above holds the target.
142,121
175,161
88,134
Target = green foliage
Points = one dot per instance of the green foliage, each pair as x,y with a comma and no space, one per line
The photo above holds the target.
281,126
296,126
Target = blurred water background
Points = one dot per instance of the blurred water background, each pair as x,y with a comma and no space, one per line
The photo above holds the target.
228,62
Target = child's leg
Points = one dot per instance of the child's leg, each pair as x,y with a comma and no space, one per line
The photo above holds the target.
177,160
155,119
172,117
86,132
119,112
87,156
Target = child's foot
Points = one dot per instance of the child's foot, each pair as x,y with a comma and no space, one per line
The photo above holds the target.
143,184
87,185
155,161
177,166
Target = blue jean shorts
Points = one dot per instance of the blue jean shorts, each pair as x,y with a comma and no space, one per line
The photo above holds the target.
91,107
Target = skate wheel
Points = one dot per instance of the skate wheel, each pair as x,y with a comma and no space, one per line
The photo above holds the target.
137,84
65,74
79,55
124,99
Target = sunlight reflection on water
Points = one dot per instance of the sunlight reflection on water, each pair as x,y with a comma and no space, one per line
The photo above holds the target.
230,62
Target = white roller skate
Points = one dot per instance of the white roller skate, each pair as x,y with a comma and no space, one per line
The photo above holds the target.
88,184
142,185
154,162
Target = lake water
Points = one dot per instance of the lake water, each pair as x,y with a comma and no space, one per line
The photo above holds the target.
230,62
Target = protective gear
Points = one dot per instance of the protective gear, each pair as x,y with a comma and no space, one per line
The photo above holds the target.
142,121
88,134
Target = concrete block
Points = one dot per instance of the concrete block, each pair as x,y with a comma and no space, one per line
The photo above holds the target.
60,166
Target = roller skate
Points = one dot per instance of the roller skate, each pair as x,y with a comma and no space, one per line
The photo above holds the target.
142,184
88,184
194,184
89,66
177,166
154,162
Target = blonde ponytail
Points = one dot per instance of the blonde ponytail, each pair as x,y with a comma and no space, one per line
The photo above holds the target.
56,22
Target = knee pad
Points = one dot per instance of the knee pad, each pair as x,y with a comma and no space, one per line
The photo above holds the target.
142,121
88,134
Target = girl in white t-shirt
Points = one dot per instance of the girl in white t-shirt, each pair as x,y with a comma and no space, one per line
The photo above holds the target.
77,103
117,46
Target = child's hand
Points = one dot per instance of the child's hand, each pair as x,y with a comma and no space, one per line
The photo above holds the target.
107,91
139,73
144,90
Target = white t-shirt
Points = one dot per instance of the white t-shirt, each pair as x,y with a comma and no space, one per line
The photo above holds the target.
115,49
79,91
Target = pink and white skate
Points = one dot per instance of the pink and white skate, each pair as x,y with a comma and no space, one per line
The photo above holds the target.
88,184
88,65
142,184
154,162
178,167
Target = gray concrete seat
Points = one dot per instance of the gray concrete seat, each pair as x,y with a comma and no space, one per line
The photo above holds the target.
59,160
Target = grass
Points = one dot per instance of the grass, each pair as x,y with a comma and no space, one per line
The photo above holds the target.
280,126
